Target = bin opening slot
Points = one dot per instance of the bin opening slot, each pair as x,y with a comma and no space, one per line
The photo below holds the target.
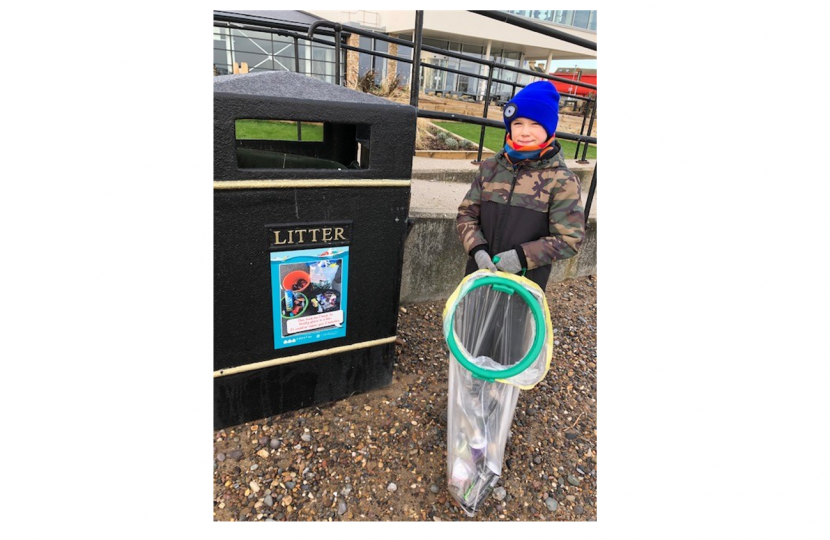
292,144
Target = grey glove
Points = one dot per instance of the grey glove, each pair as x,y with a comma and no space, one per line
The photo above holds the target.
509,262
484,261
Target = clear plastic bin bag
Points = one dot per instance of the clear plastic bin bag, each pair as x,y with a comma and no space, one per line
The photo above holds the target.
478,421
498,330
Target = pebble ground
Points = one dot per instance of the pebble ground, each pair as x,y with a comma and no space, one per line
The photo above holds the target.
381,456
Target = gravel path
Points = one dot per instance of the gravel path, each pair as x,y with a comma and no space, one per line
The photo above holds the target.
382,455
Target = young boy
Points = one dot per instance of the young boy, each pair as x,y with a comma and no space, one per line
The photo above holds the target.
524,204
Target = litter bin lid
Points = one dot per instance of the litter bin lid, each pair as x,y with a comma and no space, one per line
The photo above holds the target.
287,84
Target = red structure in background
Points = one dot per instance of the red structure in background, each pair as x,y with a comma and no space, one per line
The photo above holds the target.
577,74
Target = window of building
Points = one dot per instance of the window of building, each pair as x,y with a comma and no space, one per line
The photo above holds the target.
272,52
380,62
222,59
581,19
563,17
404,68
436,43
578,19
473,50
283,53
542,14
368,61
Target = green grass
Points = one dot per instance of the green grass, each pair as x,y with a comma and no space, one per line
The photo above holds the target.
494,138
277,130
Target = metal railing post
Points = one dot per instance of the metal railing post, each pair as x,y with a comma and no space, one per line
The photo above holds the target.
590,126
337,40
337,29
582,128
415,81
590,195
297,70
297,31
486,108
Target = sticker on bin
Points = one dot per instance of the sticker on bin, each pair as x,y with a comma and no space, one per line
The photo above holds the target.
314,322
308,289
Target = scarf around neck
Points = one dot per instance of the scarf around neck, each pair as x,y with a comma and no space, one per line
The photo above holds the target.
517,152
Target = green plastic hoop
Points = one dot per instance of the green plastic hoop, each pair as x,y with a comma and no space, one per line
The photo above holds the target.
508,286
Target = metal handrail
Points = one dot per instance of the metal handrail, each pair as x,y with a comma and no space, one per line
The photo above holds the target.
298,31
486,122
538,28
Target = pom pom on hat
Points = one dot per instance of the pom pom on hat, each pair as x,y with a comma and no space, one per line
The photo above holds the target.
538,101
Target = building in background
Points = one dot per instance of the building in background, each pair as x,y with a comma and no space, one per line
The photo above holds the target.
459,31
586,20
267,51
473,35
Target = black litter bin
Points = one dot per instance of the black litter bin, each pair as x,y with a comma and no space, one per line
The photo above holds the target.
309,229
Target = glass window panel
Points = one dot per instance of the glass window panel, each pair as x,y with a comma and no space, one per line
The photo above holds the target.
364,64
220,56
563,17
255,61
450,81
435,43
593,24
284,49
263,65
322,54
463,83
404,71
303,47
581,19
473,50
220,32
283,64
264,36
469,67
251,45
404,51
381,46
380,70
322,68
543,14
324,78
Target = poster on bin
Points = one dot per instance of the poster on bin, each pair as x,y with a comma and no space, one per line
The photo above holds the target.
308,288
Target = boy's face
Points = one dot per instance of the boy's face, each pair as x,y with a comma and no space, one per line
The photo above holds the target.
527,132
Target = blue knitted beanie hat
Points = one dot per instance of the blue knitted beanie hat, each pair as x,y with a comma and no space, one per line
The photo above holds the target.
538,101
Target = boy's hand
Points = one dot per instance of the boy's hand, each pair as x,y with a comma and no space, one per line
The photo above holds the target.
509,262
484,261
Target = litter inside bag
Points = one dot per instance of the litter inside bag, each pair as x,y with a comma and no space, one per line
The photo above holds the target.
494,330
478,421
323,273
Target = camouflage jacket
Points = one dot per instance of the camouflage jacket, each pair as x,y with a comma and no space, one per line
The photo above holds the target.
534,208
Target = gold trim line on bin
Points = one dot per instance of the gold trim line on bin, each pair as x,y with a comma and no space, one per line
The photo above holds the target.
261,184
304,356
